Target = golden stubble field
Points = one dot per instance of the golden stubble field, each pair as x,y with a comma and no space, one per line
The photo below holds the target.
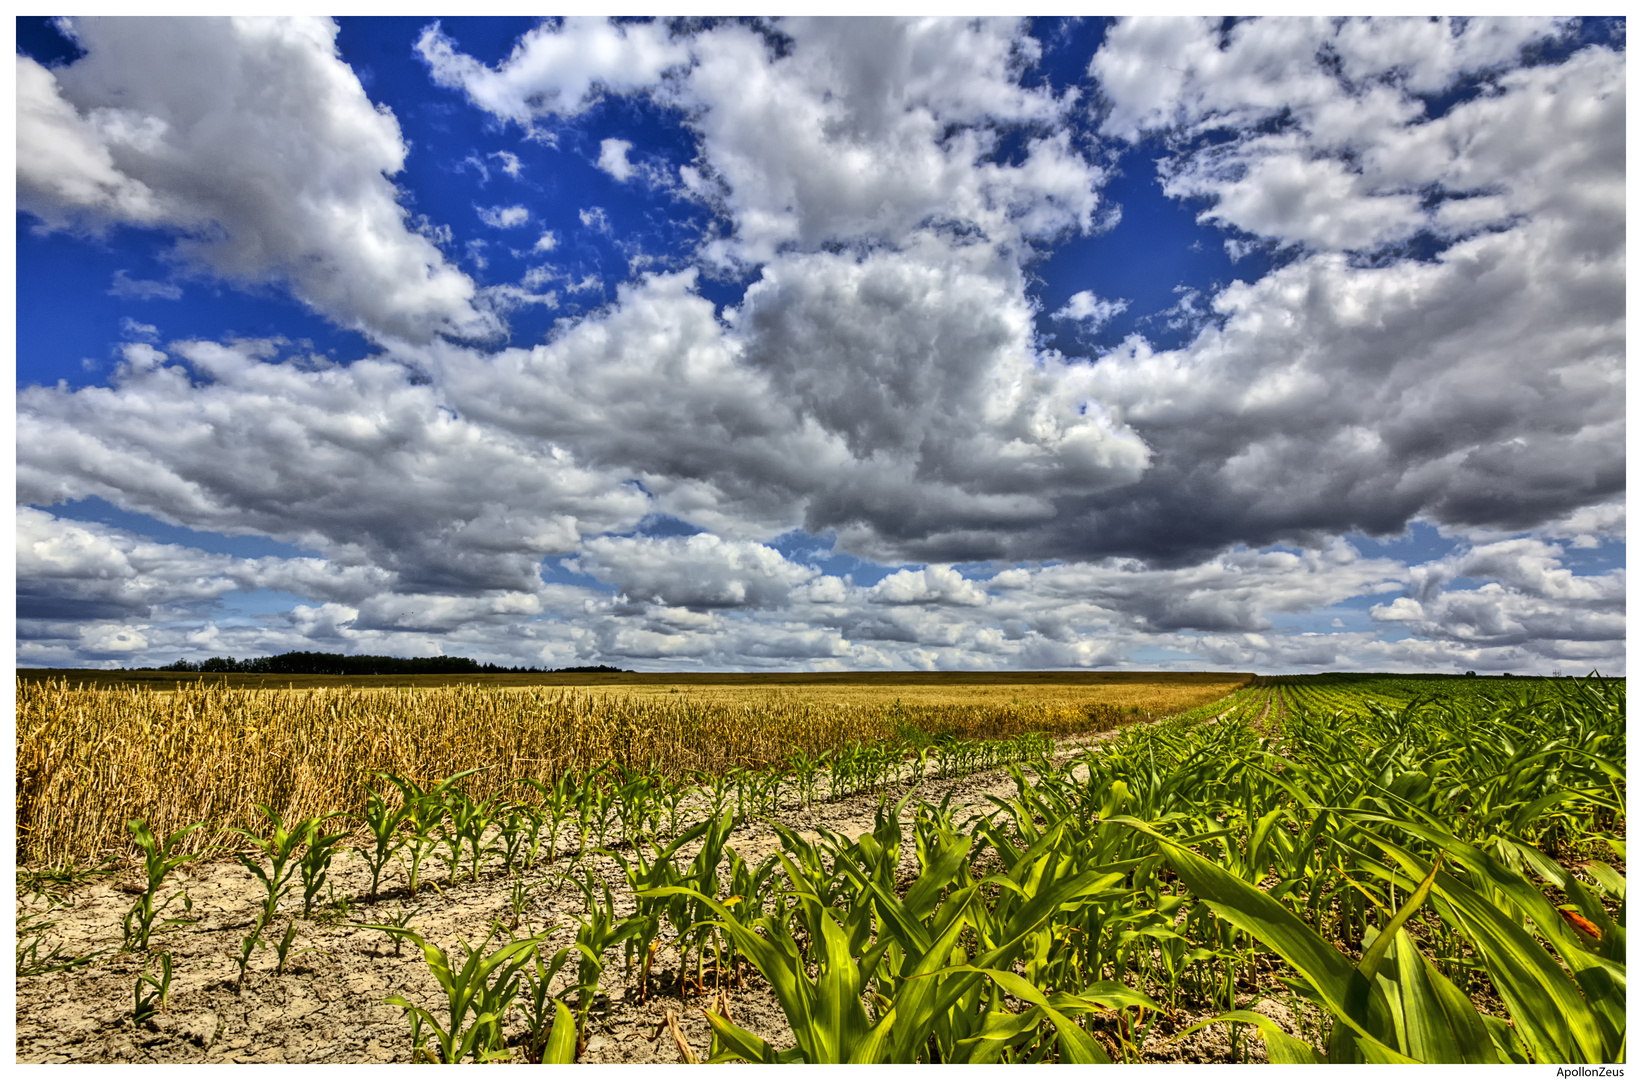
95,750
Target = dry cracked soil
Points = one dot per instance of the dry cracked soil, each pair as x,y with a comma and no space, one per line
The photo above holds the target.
328,1004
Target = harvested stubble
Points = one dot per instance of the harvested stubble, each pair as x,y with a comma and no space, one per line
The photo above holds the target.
90,760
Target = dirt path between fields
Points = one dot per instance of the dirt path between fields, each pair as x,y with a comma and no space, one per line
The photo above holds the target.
328,1007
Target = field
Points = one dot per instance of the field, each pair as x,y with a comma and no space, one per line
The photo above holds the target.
1311,869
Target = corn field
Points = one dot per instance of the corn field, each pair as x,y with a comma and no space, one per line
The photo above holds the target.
1426,870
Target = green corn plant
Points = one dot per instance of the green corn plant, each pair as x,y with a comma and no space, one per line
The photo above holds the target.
751,888
596,934
644,872
556,802
383,821
282,948
1573,1011
514,826
591,804
673,796
149,995
1391,1006
716,788
519,897
397,926
805,770
473,834
477,994
425,810
638,803
702,875
550,1028
280,849
159,859
825,1012
461,815
247,944
315,866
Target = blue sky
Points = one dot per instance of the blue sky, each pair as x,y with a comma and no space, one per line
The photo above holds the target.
1272,345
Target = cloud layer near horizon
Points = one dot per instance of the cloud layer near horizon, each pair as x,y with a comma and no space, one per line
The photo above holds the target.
1439,339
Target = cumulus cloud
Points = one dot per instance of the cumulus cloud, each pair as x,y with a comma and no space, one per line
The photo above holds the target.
931,585
887,398
1087,308
555,69
860,131
72,569
503,217
1481,388
363,463
256,144
871,130
700,571
613,158
1330,152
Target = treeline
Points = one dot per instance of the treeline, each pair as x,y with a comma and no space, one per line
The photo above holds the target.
316,663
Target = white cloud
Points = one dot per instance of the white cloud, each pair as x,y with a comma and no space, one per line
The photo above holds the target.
253,141
555,69
510,162
1480,389
1344,161
692,571
503,217
129,288
884,397
1091,310
870,130
595,218
931,585
131,328
547,242
613,158
364,464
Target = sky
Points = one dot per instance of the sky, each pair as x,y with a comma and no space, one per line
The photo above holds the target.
1277,345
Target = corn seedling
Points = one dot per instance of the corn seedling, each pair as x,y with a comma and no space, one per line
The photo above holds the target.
550,1028
477,994
557,800
282,948
425,810
159,859
316,860
515,827
149,995
280,849
597,932
383,821
247,945
519,898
